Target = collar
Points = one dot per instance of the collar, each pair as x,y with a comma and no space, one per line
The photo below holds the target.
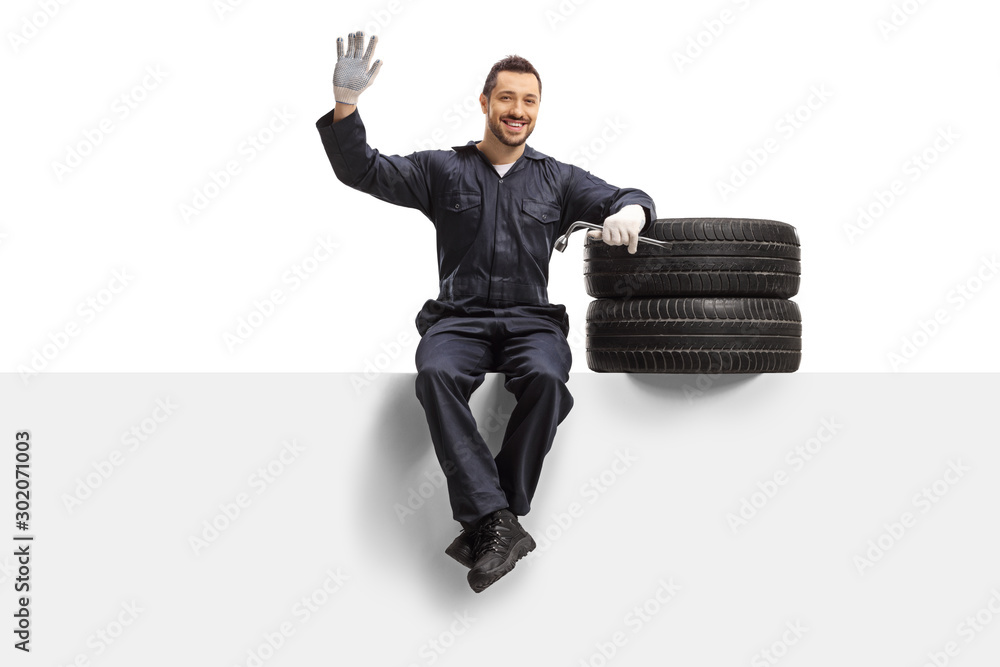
529,152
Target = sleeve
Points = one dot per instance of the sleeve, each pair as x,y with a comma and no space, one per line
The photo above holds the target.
592,200
400,180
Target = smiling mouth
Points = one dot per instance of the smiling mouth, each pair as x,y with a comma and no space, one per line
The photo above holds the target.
515,125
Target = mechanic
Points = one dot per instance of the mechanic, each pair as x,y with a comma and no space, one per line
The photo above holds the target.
498,207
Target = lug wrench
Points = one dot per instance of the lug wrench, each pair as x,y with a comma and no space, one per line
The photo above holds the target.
563,240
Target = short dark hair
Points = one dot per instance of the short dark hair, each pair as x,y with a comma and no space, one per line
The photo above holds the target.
509,64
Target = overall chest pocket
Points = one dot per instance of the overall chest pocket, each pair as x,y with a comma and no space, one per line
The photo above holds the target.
539,226
458,219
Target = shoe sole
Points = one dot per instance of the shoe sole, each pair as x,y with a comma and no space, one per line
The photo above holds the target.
520,550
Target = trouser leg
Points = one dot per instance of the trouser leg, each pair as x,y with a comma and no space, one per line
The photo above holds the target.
452,359
536,360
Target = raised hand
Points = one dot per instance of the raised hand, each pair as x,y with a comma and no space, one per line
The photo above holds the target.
352,76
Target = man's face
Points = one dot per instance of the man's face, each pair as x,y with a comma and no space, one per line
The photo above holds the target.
512,107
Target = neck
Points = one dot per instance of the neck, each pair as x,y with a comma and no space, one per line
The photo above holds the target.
497,152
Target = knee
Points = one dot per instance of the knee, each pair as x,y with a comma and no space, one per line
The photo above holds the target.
546,387
435,375
547,379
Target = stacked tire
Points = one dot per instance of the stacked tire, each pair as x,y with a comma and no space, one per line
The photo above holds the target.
717,301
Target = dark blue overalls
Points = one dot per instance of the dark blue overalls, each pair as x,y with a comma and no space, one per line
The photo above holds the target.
494,240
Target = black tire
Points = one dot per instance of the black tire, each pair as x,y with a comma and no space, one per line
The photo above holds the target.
710,256
694,335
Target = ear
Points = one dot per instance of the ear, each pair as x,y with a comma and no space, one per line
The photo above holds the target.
482,102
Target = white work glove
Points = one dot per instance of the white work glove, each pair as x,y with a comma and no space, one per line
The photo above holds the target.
351,75
623,227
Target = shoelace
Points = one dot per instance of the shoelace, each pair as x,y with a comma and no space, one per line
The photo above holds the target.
489,538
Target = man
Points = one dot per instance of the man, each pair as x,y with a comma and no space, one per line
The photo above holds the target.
498,206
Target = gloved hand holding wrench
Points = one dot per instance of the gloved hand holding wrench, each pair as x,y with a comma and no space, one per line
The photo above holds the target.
622,228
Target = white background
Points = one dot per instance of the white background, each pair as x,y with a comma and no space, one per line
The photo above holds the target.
616,100
701,445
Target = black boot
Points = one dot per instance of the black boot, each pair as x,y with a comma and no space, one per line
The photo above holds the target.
462,547
500,542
